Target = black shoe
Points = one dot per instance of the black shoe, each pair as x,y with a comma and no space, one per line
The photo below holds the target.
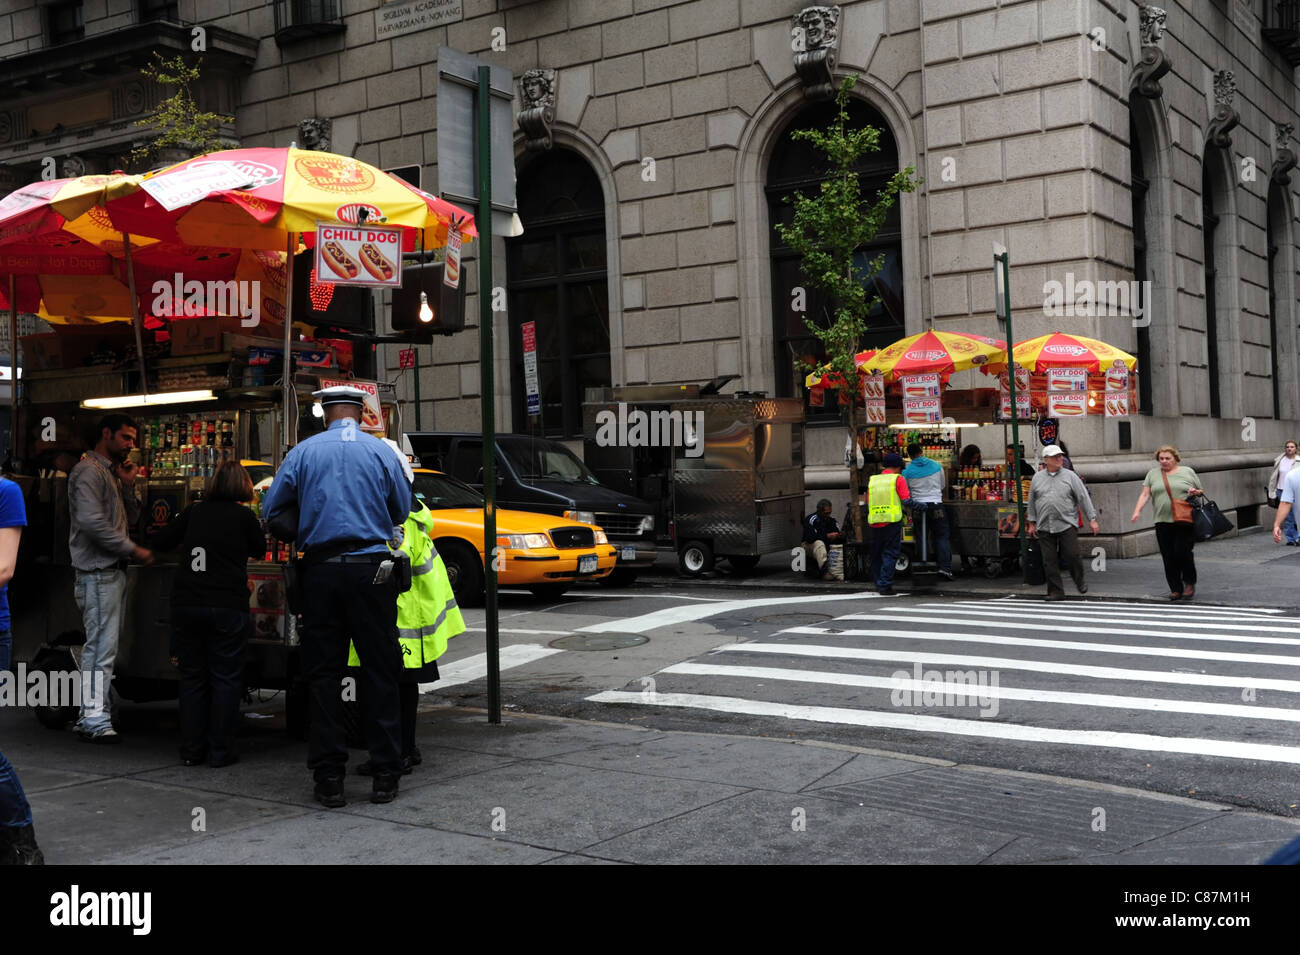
18,846
329,793
885,591
385,788
1083,588
1055,596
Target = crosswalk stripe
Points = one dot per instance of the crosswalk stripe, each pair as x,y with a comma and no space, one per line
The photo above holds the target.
928,609
1154,604
1010,663
903,616
1157,704
1089,608
474,668
688,614
1231,749
1143,651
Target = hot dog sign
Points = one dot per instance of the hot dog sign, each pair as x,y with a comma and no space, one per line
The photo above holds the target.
358,255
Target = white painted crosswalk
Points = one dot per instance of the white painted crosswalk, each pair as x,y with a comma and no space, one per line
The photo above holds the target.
1208,681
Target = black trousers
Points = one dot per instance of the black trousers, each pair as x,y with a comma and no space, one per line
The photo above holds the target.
1061,548
340,603
1176,542
210,644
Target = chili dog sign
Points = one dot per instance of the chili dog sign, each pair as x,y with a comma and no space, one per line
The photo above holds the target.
358,255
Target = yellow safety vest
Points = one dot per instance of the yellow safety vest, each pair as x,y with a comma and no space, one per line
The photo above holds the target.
427,614
884,506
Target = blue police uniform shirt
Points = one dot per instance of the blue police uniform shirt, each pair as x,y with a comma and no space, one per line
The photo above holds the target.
348,484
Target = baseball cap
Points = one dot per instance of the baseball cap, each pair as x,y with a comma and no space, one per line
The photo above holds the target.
1051,451
892,460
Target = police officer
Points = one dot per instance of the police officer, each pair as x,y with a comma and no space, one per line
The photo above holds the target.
351,495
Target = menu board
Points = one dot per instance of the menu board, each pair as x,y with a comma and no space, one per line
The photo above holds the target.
1067,379
920,386
1072,405
922,411
873,393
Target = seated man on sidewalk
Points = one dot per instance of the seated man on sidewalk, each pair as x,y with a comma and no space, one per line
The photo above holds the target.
1056,495
820,530
886,493
925,479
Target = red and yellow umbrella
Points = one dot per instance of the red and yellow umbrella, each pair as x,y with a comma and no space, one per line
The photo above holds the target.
66,205
257,198
823,377
935,351
1060,350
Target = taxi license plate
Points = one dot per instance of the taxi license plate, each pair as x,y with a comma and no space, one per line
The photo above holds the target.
587,565
628,553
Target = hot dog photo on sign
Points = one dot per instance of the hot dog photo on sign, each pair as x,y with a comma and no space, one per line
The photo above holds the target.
348,254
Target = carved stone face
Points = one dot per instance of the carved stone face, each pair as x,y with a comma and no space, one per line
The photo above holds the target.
814,26
534,88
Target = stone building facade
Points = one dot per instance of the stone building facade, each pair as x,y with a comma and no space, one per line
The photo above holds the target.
1100,141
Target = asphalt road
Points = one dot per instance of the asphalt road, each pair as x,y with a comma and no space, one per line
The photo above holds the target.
1198,701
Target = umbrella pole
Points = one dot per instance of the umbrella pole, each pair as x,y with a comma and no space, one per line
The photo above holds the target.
135,315
13,366
290,435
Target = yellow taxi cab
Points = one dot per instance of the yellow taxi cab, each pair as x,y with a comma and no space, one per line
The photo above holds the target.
542,552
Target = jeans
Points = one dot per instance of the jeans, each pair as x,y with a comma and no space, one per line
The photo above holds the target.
1289,529
6,649
1176,542
937,522
1059,548
100,595
210,644
885,544
340,603
15,811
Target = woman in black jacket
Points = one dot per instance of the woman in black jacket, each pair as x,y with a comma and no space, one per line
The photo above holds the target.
209,604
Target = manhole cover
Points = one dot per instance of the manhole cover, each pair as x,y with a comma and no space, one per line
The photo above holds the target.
793,619
598,641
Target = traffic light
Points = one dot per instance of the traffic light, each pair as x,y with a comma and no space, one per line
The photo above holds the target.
424,306
349,307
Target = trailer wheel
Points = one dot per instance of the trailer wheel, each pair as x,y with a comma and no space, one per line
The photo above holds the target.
745,564
695,558
903,565
464,571
57,664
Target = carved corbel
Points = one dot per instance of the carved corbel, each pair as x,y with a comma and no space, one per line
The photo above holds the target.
537,93
1284,158
1225,117
315,133
815,39
1152,63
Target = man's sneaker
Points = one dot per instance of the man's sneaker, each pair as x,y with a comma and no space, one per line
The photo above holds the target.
329,793
946,574
1083,588
385,788
104,734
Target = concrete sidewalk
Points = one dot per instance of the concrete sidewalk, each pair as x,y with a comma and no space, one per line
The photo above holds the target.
552,790
1245,570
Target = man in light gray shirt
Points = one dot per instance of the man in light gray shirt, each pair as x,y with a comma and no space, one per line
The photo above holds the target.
102,507
1056,495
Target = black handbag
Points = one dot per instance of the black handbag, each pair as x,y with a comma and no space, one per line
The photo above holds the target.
1208,521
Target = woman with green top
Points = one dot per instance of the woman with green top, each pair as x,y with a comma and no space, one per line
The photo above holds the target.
1164,484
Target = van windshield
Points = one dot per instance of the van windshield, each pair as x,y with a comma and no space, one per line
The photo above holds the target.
548,460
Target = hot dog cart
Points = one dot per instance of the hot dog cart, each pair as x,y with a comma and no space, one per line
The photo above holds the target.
179,447
725,472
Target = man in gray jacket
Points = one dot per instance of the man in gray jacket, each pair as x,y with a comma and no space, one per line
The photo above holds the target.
1056,496
102,506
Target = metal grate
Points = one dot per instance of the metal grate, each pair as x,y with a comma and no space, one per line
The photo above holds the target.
569,538
620,525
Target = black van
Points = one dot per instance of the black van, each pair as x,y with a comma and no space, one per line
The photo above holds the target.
543,476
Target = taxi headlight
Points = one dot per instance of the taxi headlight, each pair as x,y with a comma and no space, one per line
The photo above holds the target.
524,541
600,537
586,517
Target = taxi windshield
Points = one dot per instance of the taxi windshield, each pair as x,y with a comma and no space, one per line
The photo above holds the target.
444,491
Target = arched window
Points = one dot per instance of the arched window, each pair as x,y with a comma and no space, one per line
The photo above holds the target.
556,275
1209,226
796,167
1274,236
1141,183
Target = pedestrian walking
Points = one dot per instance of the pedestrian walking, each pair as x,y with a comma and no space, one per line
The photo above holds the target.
819,532
925,480
1056,496
217,536
1290,493
1283,466
17,834
102,508
351,496
427,617
886,493
1167,484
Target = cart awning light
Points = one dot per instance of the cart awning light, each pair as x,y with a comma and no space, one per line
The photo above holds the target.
140,401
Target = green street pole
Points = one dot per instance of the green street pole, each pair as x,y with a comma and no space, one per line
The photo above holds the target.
1004,259
484,107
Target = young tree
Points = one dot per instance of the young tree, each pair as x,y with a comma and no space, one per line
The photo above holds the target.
177,120
826,231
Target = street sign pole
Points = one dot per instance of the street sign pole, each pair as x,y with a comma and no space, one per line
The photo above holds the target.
1002,268
487,385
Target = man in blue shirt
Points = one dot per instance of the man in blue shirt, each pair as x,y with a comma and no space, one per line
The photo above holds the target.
351,495
925,479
